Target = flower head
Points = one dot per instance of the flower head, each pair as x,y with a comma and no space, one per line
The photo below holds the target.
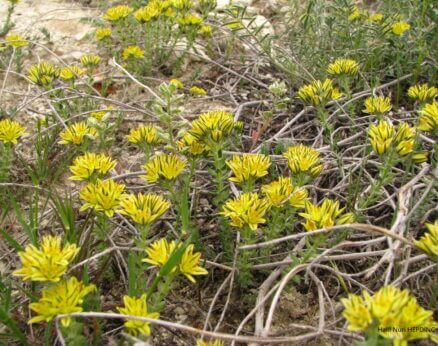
77,133
90,61
197,91
327,214
404,139
159,252
354,14
376,17
247,209
399,28
422,92
71,72
132,53
190,19
212,127
428,120
429,241
48,261
303,159
189,265
43,73
150,12
144,135
356,312
164,166
248,166
205,30
177,83
137,307
319,93
103,196
189,144
90,166
116,13
65,297
144,209
381,136
347,67
16,40
11,131
377,105
102,33
282,190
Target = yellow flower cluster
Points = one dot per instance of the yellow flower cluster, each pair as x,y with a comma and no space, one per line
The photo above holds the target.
132,53
246,210
71,72
144,135
389,307
422,92
103,196
377,105
144,209
197,91
161,250
190,19
327,214
163,166
429,242
303,159
117,13
346,67
43,73
102,33
90,61
91,166
399,28
137,307
383,137
77,133
16,40
65,297
282,190
191,145
319,93
428,120
48,262
248,167
11,131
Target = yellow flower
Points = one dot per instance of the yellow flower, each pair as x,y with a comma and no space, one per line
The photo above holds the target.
103,196
327,214
159,252
400,27
144,209
356,313
404,139
164,166
144,135
319,93
48,262
420,156
386,301
90,61
137,307
248,167
77,133
133,52
429,241
101,115
16,40
11,131
247,209
65,297
191,145
354,14
303,159
116,13
343,67
376,17
282,190
43,74
205,30
177,83
102,33
189,265
381,136
71,72
197,91
190,19
428,120
150,12
212,127
91,166
377,105
200,342
422,92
